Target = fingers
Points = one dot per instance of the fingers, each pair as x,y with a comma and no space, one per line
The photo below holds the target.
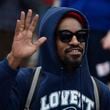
26,23
17,30
28,18
33,23
22,21
20,24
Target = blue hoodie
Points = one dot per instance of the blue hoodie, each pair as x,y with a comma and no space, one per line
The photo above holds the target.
57,89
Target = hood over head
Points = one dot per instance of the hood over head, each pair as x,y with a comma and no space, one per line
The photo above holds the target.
48,57
55,78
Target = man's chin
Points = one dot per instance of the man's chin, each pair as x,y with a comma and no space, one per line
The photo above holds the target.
75,59
75,63
72,61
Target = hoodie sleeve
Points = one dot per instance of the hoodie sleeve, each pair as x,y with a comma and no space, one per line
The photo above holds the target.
7,77
14,86
6,72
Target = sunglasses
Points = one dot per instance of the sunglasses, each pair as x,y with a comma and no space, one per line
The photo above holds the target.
66,35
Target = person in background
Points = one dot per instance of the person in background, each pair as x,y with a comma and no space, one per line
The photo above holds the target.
106,41
65,82
98,14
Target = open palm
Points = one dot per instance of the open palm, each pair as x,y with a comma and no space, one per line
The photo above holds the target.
23,46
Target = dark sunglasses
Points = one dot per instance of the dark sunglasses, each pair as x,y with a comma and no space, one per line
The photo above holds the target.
66,35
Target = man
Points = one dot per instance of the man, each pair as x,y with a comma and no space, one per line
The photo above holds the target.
65,82
98,54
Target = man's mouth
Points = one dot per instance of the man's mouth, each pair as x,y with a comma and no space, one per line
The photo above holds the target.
74,51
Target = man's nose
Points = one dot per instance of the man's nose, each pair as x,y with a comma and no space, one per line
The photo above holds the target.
74,41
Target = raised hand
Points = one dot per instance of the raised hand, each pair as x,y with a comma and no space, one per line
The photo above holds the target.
22,46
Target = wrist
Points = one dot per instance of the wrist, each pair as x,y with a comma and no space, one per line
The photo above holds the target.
13,62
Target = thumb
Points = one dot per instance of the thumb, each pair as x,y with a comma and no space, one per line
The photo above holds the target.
40,41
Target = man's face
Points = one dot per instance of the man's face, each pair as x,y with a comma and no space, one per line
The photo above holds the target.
70,41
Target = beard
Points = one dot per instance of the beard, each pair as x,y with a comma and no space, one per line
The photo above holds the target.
73,56
70,61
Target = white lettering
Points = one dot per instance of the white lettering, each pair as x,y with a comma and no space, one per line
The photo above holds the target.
44,106
90,104
64,97
74,97
54,100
